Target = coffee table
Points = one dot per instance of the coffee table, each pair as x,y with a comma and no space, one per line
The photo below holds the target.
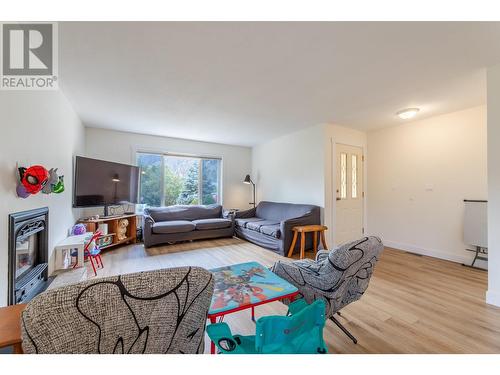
245,286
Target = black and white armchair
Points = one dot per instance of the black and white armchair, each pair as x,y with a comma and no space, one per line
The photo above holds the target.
339,276
153,312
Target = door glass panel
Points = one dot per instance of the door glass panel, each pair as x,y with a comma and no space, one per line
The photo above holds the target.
343,175
354,176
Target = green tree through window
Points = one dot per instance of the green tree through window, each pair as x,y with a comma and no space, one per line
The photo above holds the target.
151,179
189,194
210,180
170,179
174,185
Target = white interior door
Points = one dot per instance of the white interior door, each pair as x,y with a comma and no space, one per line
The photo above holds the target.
349,193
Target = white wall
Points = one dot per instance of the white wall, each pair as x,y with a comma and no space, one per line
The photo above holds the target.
121,147
493,82
37,127
291,168
299,168
419,174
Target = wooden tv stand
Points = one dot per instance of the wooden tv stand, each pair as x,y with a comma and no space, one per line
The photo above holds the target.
92,226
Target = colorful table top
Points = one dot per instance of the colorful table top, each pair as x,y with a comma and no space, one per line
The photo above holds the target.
246,284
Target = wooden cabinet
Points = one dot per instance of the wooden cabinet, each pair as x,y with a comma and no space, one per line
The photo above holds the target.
113,224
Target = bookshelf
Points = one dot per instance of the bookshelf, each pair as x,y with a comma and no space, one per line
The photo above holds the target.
113,223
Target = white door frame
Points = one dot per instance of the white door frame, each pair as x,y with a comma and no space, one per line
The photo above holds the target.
331,198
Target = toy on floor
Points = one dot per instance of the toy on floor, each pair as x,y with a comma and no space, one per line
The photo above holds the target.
300,332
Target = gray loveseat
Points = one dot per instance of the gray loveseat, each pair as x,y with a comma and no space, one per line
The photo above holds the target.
181,223
270,224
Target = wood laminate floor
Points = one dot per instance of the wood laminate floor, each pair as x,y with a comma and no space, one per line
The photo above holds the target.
414,304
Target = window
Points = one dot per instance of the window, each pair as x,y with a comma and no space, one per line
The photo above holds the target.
354,176
343,175
174,179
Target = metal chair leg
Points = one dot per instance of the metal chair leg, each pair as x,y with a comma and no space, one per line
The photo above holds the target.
344,329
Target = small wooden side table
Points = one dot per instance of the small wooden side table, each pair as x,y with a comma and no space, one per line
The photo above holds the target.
10,327
303,229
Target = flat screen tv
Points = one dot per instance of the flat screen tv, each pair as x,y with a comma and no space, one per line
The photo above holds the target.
104,183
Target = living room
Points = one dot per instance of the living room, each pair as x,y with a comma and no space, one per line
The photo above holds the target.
193,182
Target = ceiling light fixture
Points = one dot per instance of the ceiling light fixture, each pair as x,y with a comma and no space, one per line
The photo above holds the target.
407,113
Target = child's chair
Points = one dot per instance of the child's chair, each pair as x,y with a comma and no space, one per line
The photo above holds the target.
300,332
94,253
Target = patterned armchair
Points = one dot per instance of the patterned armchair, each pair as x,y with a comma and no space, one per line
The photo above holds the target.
339,277
162,311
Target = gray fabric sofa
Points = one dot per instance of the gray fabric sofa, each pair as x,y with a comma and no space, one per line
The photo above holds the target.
181,223
270,224
154,312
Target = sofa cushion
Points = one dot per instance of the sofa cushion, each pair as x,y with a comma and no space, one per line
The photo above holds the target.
283,211
175,226
255,225
205,224
188,213
271,230
242,222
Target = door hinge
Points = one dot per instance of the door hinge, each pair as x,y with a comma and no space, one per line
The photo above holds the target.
362,157
363,194
363,230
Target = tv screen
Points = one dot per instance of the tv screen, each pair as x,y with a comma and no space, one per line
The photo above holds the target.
102,183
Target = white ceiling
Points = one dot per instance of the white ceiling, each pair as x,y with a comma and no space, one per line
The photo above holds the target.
245,82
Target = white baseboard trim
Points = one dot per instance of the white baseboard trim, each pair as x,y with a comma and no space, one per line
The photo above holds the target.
493,298
428,252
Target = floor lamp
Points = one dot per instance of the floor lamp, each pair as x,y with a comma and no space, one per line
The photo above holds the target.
249,181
